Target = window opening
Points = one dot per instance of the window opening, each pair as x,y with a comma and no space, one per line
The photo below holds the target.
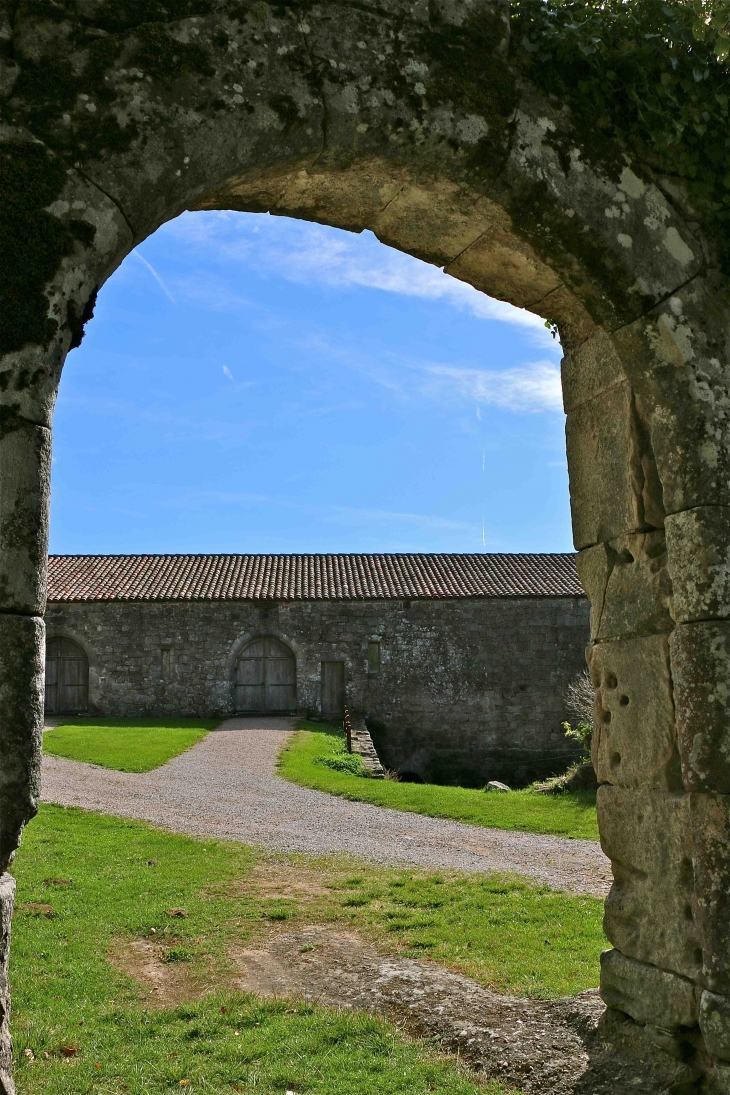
373,657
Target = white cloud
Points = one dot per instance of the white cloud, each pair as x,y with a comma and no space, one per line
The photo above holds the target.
313,254
534,387
227,372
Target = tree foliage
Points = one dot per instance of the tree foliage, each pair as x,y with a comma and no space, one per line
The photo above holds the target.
712,24
646,80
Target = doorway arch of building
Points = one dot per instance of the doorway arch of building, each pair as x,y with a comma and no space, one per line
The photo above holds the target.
410,121
265,679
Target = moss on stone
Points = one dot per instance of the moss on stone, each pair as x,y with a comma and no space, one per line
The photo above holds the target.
45,101
117,16
45,91
35,241
572,249
470,74
164,58
77,320
639,86
287,111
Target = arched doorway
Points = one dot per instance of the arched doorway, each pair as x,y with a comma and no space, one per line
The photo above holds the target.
67,678
420,124
266,678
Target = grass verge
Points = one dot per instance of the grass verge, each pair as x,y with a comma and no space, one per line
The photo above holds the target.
570,815
128,745
85,882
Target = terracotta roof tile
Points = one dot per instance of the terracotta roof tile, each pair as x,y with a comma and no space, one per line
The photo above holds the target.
308,577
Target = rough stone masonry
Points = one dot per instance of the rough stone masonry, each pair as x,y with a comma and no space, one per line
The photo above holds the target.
410,119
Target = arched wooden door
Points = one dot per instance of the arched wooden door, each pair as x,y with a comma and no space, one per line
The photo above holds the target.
67,678
266,678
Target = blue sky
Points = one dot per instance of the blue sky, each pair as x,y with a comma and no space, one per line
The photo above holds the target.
256,384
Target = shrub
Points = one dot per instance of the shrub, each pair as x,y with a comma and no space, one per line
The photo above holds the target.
343,762
579,697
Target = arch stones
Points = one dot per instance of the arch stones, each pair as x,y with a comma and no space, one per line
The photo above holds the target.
408,119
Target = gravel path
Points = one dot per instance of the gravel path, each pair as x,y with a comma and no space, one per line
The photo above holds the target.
226,787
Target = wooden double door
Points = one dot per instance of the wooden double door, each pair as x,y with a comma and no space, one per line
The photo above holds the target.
266,678
67,678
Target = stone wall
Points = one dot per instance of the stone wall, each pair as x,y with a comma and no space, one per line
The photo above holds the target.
466,690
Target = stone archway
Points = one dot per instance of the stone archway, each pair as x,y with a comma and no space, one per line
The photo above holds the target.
408,120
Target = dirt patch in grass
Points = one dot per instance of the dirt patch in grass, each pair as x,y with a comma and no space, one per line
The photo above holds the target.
562,1046
286,880
166,984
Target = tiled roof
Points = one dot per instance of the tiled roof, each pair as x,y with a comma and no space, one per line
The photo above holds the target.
308,577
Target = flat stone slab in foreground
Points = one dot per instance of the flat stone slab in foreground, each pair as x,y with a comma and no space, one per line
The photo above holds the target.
226,787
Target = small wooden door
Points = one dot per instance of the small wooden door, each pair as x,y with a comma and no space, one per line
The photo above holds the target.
266,678
333,689
67,678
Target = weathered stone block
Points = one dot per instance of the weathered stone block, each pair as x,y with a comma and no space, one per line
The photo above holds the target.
646,993
628,583
344,199
600,445
563,307
634,741
25,458
494,265
590,370
649,914
440,219
701,673
7,901
673,359
710,818
21,722
698,541
715,1024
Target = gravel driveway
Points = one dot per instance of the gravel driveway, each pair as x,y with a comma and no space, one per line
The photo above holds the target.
227,787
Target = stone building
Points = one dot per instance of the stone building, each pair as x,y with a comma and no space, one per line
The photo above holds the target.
458,662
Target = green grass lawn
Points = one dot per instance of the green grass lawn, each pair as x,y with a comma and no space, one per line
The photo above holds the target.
572,815
129,745
86,882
